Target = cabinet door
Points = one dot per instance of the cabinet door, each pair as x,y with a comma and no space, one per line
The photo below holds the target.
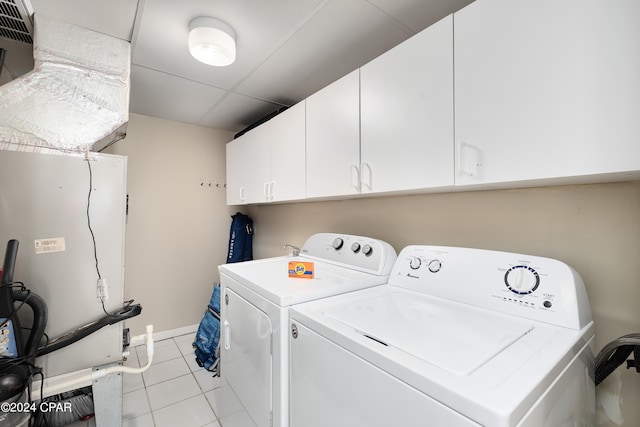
255,164
333,138
407,114
236,185
546,89
287,143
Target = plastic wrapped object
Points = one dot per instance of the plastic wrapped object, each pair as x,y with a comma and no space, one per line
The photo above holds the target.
76,95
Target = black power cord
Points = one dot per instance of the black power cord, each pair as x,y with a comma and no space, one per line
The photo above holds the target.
93,236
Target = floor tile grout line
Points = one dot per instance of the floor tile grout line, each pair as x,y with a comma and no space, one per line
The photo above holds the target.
202,392
169,379
215,414
172,403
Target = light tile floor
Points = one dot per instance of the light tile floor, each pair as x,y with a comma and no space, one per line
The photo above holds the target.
176,391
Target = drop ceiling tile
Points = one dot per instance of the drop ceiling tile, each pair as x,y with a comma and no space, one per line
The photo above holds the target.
162,95
341,37
261,26
235,112
287,49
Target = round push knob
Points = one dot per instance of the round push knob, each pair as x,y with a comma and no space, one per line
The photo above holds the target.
367,250
337,243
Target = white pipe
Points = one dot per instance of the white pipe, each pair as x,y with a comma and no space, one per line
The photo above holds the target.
87,378
99,373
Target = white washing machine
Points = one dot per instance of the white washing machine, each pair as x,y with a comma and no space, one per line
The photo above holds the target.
257,297
458,337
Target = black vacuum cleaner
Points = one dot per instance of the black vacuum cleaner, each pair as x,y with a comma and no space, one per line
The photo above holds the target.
17,357
17,360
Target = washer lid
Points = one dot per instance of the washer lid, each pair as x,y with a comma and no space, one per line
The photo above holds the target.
435,331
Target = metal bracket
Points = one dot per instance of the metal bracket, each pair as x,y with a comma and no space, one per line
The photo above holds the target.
107,397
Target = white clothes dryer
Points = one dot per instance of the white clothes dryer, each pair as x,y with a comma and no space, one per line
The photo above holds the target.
458,337
256,297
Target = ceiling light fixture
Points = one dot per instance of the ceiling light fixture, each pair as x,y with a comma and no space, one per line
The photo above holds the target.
212,41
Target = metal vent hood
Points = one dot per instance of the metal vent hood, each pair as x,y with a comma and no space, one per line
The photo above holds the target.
77,96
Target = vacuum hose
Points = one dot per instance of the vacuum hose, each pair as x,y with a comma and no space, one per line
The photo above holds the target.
40,314
614,354
128,311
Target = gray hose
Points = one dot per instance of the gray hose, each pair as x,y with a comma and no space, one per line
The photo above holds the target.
614,354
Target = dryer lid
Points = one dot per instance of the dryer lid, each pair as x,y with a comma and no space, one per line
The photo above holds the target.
269,278
440,332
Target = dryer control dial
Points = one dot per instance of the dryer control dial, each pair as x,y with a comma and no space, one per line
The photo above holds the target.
415,263
337,243
367,250
522,279
434,265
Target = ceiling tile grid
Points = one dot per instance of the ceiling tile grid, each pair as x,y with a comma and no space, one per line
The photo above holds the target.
286,49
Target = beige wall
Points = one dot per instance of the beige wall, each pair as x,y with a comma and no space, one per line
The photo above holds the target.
593,228
177,231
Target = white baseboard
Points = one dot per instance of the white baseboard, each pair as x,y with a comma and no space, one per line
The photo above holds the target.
171,333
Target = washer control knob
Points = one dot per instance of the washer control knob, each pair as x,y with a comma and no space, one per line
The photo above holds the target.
434,265
522,279
415,263
337,243
367,249
355,247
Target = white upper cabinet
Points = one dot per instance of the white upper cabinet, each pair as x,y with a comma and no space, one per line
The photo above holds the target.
248,169
267,163
333,139
235,172
406,107
546,89
503,93
287,155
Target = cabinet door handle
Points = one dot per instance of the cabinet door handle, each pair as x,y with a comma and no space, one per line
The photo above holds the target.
463,148
459,170
355,177
265,190
271,183
242,194
369,183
